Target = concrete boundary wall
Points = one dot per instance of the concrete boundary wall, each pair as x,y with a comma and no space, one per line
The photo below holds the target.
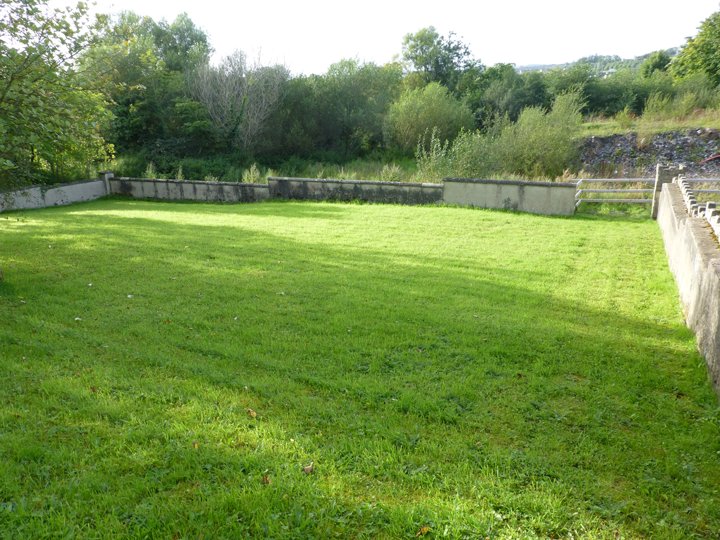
59,195
188,190
535,197
694,259
350,190
548,198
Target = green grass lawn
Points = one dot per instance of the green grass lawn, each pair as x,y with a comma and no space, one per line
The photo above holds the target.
169,369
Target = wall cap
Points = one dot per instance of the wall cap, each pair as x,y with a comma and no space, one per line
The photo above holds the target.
510,182
117,178
373,182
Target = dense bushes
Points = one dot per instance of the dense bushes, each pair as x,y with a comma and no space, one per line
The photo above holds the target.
148,90
539,144
423,109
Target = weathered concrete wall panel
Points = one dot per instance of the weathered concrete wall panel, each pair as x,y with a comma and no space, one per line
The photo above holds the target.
350,190
60,195
189,190
548,198
694,258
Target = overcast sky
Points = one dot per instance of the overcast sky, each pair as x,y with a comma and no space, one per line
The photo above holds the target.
309,35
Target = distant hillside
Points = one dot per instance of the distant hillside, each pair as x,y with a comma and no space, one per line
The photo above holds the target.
600,63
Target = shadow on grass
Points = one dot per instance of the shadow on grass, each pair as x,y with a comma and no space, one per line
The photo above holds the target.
411,381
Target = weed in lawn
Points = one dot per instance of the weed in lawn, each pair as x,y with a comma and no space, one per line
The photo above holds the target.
483,374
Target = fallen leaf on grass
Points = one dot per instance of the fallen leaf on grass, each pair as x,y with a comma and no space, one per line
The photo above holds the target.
520,375
266,480
195,445
252,413
309,469
423,530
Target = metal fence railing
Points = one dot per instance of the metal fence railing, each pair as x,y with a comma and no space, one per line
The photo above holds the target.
579,195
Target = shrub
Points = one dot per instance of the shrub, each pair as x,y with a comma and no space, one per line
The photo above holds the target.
391,172
150,171
539,144
252,175
657,107
421,111
625,118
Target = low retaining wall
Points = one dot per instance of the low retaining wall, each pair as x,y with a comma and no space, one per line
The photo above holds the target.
189,190
61,195
694,258
534,197
350,190
548,198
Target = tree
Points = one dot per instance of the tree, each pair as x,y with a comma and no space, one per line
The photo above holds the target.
239,97
657,61
425,111
701,54
438,59
52,100
352,98
150,64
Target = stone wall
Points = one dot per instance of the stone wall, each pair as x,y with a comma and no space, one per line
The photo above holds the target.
350,190
549,198
694,259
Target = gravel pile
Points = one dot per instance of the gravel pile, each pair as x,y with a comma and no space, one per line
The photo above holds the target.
630,156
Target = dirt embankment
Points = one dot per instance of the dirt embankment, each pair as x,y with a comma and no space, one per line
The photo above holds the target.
632,156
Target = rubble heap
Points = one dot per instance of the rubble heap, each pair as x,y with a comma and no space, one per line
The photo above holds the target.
631,156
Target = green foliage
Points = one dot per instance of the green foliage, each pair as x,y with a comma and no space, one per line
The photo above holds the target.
252,175
52,106
439,59
352,98
150,171
625,118
657,107
501,91
150,63
657,61
539,144
421,110
701,54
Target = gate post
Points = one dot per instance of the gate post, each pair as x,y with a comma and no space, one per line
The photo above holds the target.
664,174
